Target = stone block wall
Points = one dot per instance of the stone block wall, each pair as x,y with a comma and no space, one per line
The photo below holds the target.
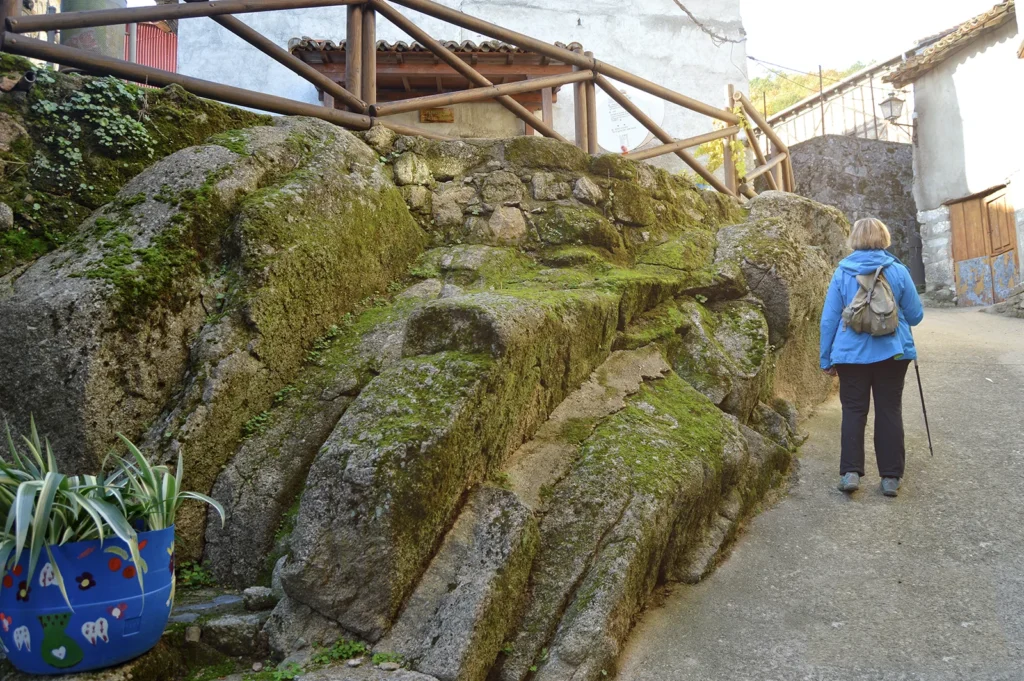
863,178
937,253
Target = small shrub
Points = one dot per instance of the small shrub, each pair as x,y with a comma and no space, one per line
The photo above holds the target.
381,658
257,425
194,575
340,651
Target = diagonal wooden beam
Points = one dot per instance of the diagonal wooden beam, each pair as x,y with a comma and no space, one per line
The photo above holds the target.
290,61
136,15
94,63
687,143
787,167
565,56
762,169
477,94
661,134
467,71
752,139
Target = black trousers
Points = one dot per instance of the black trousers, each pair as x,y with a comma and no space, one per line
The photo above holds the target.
857,383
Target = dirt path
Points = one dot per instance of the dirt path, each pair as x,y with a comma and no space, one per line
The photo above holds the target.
926,587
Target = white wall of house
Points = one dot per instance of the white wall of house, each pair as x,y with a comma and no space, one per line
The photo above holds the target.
968,109
652,38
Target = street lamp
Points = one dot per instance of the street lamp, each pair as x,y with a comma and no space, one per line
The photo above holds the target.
892,107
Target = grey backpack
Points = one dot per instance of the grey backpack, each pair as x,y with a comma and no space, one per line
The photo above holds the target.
874,308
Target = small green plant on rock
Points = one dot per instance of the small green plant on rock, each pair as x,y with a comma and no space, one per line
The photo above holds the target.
257,425
340,651
106,112
216,671
194,575
384,658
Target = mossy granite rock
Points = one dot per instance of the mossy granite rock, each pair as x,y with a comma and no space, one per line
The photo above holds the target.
207,281
58,164
470,597
475,456
789,274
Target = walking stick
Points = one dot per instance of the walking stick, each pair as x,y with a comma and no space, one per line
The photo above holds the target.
920,389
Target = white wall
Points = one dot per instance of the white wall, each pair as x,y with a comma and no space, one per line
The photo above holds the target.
652,38
968,114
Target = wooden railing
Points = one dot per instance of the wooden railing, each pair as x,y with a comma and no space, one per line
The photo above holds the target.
360,92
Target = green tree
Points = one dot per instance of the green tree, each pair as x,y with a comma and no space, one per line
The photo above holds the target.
783,89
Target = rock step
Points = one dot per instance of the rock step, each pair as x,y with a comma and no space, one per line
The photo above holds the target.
471,595
541,462
658,483
481,373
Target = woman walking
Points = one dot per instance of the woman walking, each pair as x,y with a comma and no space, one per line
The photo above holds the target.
869,351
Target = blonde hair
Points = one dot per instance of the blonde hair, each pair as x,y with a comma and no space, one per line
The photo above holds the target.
869,234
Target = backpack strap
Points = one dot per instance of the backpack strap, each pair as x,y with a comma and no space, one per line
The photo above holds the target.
874,282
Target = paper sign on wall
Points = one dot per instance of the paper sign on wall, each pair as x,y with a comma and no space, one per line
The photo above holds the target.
617,130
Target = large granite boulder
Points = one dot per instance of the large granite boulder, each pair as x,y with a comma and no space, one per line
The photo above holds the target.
185,305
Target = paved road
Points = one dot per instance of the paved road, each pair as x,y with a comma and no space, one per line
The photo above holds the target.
925,587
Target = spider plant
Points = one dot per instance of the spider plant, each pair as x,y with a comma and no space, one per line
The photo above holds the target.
154,492
44,507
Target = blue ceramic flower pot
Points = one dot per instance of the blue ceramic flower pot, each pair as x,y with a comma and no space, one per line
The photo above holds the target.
110,620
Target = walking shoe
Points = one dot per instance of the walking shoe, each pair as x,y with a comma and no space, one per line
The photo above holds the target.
890,486
850,482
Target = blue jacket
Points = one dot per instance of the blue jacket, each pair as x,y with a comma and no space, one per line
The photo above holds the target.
841,345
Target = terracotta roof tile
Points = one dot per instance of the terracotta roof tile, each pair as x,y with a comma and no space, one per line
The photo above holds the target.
933,51
315,45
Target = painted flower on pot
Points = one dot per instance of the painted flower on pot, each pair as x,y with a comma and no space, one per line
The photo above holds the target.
117,611
23,591
85,581
8,580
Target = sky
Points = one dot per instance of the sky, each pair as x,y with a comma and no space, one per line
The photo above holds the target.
801,34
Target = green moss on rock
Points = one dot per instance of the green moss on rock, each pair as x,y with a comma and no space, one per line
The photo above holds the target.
545,153
87,137
577,225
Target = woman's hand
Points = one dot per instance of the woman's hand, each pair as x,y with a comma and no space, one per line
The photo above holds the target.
831,371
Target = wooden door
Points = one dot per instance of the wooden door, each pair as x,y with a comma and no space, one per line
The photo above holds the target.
985,261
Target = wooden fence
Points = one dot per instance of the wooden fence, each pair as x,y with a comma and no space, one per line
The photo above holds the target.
359,96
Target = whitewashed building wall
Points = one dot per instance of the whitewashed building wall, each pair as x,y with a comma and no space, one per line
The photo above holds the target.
652,38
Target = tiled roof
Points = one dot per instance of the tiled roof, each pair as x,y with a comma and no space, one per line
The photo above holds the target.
937,49
312,44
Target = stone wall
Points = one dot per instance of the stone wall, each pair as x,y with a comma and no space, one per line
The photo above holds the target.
937,253
863,178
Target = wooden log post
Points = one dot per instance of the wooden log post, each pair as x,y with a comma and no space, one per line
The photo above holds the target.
467,71
354,51
590,91
290,61
547,105
787,171
580,109
761,160
369,61
728,163
8,9
661,134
